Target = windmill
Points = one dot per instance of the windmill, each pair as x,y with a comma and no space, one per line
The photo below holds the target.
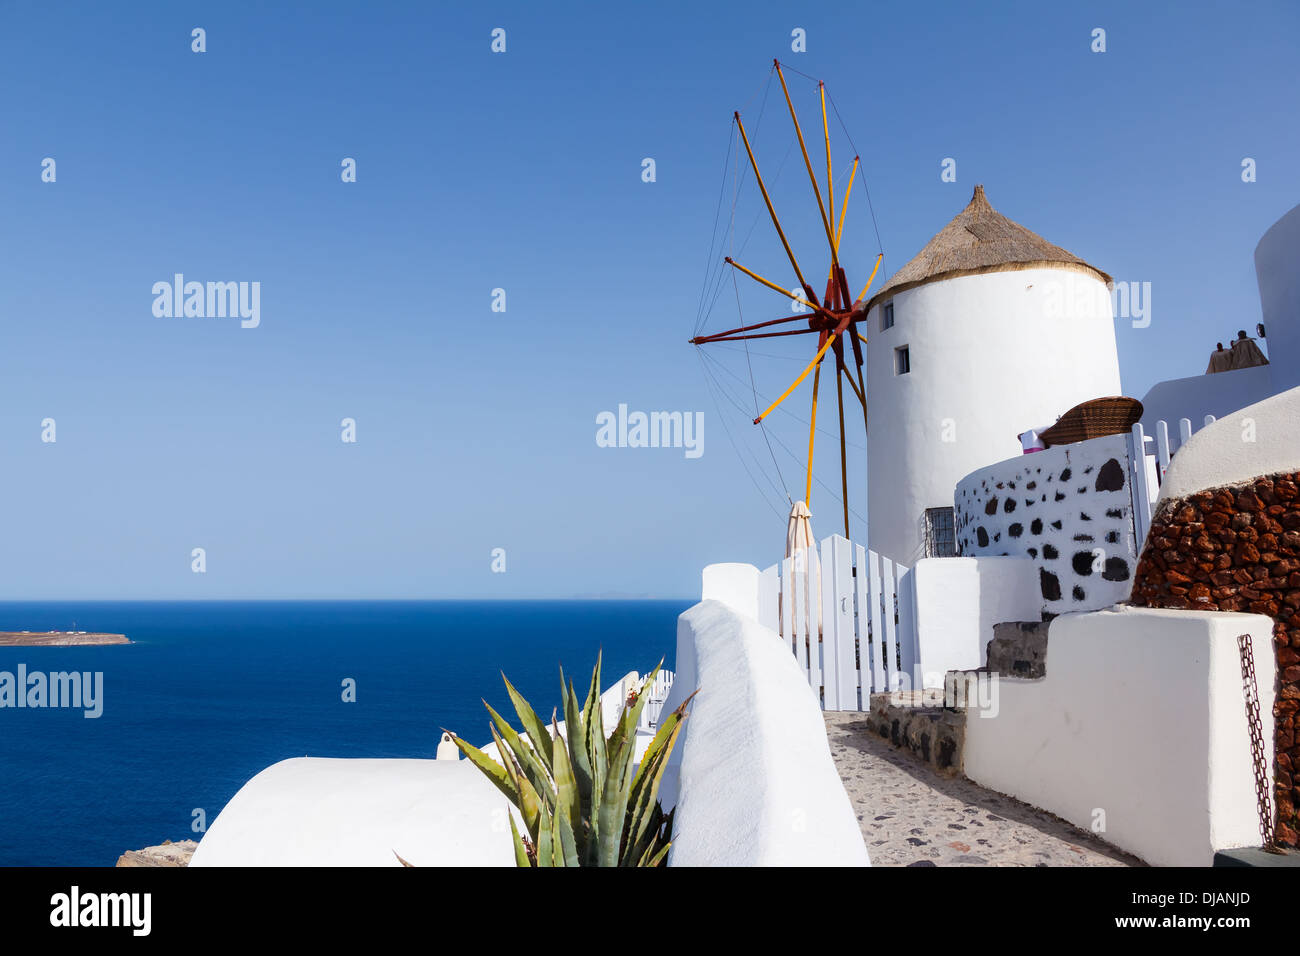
836,316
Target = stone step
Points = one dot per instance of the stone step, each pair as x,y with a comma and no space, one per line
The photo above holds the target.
931,724
918,723
1256,856
1018,649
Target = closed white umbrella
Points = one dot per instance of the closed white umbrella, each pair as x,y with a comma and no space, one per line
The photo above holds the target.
798,531
800,545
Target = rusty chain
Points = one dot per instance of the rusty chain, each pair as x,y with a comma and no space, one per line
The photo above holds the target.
1251,690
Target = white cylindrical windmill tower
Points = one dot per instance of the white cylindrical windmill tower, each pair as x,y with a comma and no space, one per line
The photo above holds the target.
988,331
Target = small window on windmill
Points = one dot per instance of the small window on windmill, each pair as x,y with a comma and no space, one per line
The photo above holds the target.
902,361
940,536
887,316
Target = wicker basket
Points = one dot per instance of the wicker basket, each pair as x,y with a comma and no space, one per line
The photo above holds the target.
1094,419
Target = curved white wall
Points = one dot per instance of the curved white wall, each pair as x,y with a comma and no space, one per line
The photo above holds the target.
314,811
1069,509
755,781
1277,270
991,355
1260,439
1196,396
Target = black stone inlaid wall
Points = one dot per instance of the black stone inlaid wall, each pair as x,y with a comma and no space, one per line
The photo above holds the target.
1068,509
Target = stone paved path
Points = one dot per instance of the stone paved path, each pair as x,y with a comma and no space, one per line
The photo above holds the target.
912,816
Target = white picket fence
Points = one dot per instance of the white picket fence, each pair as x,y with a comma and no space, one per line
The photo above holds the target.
1147,468
867,637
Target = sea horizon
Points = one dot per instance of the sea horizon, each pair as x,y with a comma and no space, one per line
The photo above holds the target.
210,693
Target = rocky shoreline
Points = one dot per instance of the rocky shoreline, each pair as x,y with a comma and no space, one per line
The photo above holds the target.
165,854
58,638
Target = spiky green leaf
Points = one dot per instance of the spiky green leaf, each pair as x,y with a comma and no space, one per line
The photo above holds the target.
614,799
658,858
523,754
533,727
576,733
521,851
545,856
667,729
493,770
587,803
567,845
644,813
530,804
594,724
568,802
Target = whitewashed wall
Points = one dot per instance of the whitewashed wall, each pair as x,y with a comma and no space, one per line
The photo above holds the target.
991,355
1260,439
735,585
1196,396
755,783
314,811
1057,507
958,600
1278,275
1139,725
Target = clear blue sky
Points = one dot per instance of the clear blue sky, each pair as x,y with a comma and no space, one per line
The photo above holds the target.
522,170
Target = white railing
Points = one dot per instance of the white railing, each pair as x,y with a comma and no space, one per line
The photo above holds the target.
841,611
655,705
1147,469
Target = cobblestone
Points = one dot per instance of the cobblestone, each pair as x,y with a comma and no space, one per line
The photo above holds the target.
912,816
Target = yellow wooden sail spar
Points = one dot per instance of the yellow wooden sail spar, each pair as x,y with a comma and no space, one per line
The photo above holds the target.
834,317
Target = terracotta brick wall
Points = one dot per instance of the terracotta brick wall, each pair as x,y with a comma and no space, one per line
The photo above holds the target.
1238,549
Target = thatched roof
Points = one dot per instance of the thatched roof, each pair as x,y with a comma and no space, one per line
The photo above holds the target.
980,240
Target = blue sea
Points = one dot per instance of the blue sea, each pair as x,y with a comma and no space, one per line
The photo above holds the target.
210,693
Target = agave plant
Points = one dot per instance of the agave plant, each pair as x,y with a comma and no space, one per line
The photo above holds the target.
581,801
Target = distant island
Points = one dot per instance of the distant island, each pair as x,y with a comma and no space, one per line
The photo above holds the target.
58,638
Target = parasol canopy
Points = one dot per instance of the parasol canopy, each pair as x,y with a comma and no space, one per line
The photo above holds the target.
798,532
800,545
